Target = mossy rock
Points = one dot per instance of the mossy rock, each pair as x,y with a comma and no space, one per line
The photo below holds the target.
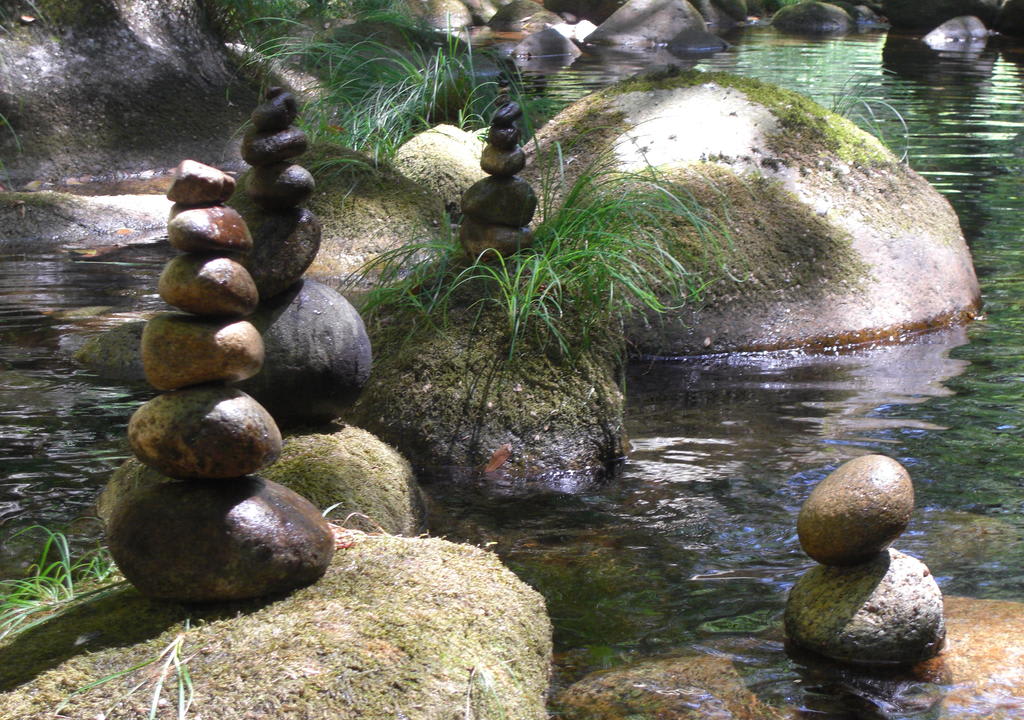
450,395
420,628
445,160
813,18
365,208
813,234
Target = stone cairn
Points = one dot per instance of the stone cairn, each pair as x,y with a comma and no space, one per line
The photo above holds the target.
867,603
210,529
499,208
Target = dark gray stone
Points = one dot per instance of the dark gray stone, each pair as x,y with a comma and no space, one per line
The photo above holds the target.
273,146
813,18
502,163
285,243
503,138
280,186
500,201
923,16
278,112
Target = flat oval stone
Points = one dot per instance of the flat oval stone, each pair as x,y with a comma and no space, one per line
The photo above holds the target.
179,350
208,431
503,138
502,163
280,186
209,229
208,285
285,243
856,511
507,114
269,147
196,541
476,237
886,611
277,113
500,201
198,184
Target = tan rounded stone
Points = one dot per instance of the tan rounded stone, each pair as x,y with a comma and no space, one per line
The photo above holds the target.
210,431
198,184
209,229
856,511
476,237
502,163
208,285
180,350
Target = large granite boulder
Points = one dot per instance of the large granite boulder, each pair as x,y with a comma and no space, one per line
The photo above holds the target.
648,22
445,160
398,627
74,107
815,234
923,16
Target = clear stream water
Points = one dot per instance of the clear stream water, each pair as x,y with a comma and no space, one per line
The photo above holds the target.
692,546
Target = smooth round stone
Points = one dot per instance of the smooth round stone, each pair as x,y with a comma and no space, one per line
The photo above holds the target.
277,113
208,431
280,186
179,350
208,285
476,237
196,541
285,243
273,146
503,138
886,611
502,163
507,114
856,511
500,201
209,229
198,184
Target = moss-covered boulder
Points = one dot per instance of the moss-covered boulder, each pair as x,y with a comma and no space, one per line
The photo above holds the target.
397,627
813,233
445,160
813,18
449,394
100,86
365,208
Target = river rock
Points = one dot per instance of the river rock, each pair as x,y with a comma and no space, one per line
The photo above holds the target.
444,159
957,30
285,244
916,15
648,22
180,350
368,483
114,354
545,44
197,541
523,16
856,511
886,611
1011,18
208,285
208,229
501,201
503,138
209,431
318,355
502,163
273,146
278,112
476,237
280,186
812,18
198,184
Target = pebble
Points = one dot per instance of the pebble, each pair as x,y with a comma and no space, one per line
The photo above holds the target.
208,285
210,229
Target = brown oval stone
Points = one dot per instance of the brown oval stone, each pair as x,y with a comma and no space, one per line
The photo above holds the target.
208,285
280,186
502,163
208,431
180,350
856,511
198,184
500,201
503,138
209,229
267,148
198,541
476,237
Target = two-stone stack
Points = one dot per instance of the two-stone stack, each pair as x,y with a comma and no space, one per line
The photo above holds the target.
866,603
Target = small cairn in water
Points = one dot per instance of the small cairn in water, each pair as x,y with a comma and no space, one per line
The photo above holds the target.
499,208
867,603
210,530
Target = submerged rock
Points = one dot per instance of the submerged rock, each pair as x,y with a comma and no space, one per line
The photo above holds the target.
966,29
417,627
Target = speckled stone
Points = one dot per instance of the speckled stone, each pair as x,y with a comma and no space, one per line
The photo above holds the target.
856,511
208,285
886,611
280,186
196,541
502,163
207,431
198,184
277,113
500,201
208,229
476,237
179,350
267,148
